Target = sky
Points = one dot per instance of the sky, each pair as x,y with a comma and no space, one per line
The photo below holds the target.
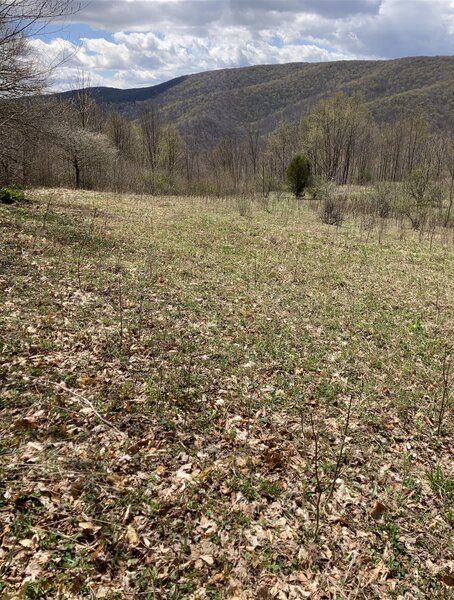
136,43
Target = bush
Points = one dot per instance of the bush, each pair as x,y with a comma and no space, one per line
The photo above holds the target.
316,186
383,199
298,174
9,195
332,208
159,183
420,196
244,205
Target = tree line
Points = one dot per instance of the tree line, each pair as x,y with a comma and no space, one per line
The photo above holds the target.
57,141
72,142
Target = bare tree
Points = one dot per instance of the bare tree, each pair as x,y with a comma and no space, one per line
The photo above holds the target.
86,112
336,127
450,169
20,74
150,126
170,148
253,146
281,145
119,130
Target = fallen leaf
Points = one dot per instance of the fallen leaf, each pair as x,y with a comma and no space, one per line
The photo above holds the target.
35,446
263,593
22,423
86,380
181,473
131,535
35,566
208,559
274,459
138,446
340,519
215,578
447,580
378,511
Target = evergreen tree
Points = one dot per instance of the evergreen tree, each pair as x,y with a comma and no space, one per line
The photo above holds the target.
298,174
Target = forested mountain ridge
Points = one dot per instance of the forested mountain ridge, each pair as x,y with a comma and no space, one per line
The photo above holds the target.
221,103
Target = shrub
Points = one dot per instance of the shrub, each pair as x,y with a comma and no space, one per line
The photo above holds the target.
420,195
332,208
316,186
159,183
383,199
244,206
298,174
9,195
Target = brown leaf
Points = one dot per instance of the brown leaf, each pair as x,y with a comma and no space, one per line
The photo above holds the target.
215,578
263,593
115,480
22,423
36,565
131,535
134,448
378,511
274,459
94,555
86,380
447,580
341,520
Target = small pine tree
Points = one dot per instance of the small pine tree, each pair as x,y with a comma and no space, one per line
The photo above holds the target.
298,174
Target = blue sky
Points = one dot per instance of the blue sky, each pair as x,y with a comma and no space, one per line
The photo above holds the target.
132,43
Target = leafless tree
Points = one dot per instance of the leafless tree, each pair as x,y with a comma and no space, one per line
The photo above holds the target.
450,169
85,111
21,76
335,131
119,130
253,146
150,126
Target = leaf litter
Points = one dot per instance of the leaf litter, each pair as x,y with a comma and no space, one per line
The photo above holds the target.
163,448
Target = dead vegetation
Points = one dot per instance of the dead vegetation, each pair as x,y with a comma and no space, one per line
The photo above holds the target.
203,399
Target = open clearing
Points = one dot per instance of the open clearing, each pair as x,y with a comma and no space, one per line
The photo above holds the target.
176,380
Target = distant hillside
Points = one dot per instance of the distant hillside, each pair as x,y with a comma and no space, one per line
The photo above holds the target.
216,104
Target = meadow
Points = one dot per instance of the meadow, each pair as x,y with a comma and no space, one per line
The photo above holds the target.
220,398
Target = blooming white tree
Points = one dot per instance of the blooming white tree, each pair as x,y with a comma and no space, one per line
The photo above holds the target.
22,77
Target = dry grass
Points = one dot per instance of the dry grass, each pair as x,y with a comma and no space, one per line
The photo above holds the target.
175,385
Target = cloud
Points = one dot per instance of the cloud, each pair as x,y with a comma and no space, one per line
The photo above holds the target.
144,58
142,42
142,15
405,28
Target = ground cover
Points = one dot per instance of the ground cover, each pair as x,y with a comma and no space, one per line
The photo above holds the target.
216,398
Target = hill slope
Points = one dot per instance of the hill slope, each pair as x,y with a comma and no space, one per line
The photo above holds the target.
220,103
173,410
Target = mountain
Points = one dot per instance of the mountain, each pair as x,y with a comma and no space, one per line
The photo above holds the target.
217,104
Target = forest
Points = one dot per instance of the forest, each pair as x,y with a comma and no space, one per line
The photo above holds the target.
55,142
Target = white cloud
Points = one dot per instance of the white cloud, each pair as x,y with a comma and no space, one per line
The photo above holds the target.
152,40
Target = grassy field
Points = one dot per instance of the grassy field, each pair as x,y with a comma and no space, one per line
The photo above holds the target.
201,398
